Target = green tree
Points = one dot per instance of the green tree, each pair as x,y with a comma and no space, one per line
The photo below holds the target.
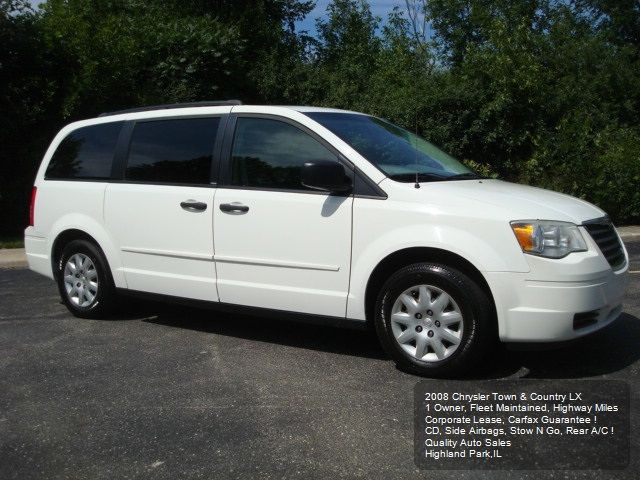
77,58
347,49
126,52
30,100
545,92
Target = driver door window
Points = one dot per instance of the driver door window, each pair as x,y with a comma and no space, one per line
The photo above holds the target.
269,154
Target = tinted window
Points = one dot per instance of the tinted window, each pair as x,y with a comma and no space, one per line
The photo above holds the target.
172,151
85,153
270,154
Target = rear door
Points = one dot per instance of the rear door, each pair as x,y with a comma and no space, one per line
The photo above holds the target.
279,244
161,212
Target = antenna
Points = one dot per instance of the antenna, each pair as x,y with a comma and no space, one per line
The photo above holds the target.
416,69
415,147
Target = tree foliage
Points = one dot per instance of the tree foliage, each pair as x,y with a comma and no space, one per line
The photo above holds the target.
545,92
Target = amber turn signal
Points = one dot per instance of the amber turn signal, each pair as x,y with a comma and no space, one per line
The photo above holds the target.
524,234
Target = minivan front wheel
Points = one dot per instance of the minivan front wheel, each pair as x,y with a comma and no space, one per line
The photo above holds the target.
433,320
84,280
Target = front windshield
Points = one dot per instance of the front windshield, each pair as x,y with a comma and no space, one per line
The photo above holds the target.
398,153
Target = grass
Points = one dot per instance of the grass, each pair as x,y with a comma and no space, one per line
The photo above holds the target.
11,242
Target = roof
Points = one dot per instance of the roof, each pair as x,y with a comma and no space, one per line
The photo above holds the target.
219,103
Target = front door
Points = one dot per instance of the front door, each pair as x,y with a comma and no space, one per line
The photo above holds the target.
278,244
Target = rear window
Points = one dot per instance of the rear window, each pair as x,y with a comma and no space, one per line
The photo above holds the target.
172,151
86,153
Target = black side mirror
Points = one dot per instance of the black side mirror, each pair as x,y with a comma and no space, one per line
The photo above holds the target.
326,175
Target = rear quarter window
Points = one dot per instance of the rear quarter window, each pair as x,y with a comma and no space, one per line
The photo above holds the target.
86,153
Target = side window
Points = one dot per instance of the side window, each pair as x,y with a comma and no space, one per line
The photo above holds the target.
172,151
270,154
86,153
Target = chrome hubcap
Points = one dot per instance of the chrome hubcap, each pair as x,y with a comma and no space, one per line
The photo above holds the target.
427,323
80,280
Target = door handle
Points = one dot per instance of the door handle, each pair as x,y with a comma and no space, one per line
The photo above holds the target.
193,206
234,207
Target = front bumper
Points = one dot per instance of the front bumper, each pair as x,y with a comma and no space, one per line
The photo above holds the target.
541,305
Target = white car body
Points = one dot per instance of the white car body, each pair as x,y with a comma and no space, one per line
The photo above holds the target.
315,254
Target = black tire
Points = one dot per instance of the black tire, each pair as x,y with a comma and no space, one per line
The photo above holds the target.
104,300
477,319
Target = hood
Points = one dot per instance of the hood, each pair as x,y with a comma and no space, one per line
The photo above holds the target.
520,202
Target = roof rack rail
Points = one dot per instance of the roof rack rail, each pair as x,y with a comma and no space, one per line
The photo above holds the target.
168,106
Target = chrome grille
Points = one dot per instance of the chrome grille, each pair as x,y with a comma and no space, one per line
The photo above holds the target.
604,234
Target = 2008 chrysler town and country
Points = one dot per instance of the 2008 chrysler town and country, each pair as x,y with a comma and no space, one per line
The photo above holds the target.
322,214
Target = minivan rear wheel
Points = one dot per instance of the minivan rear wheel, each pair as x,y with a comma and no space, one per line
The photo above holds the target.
84,280
433,320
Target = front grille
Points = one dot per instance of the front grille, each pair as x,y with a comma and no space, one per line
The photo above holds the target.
605,236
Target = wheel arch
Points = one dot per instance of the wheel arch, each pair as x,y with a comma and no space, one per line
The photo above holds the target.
70,234
407,256
64,238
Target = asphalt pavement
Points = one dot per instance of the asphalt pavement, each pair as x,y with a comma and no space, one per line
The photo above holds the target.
169,392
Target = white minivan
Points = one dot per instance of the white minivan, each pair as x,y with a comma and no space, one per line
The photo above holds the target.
321,215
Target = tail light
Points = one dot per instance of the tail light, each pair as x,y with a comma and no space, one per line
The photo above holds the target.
32,206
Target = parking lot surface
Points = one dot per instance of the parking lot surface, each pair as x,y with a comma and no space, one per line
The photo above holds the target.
172,392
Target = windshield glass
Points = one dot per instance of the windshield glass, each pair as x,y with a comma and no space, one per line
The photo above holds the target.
398,153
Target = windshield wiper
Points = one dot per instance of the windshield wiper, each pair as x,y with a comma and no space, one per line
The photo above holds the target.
423,177
465,176
434,177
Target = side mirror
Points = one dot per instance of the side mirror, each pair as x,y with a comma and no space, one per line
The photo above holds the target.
326,175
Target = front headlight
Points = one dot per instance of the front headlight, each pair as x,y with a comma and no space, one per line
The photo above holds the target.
548,238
